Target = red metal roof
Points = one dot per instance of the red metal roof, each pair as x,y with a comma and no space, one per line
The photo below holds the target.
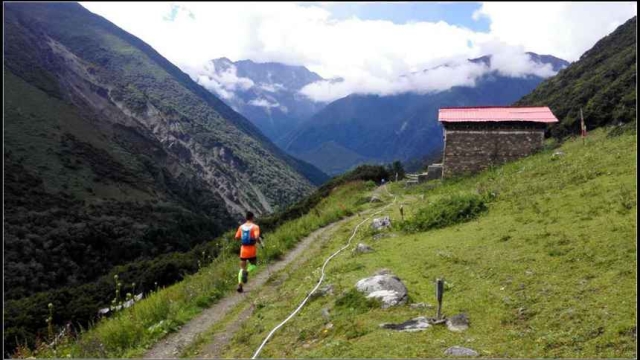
541,114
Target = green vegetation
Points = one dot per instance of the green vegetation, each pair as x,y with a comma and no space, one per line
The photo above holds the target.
452,209
602,83
373,173
130,331
115,158
531,271
547,270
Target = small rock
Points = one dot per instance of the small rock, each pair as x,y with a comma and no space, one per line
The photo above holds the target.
458,323
460,351
558,153
362,248
415,324
383,271
323,291
375,199
103,311
381,223
389,289
325,314
421,306
328,326
377,237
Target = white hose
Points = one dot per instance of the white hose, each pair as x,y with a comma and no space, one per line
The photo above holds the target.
321,277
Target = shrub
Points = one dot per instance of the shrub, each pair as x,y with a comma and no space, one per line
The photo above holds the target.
355,302
446,211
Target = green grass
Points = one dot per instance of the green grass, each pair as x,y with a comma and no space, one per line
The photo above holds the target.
132,331
547,271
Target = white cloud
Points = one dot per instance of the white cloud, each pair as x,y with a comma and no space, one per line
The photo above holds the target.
274,87
263,103
562,29
224,82
505,60
513,61
371,55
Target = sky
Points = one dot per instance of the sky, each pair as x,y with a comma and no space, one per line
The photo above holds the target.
371,46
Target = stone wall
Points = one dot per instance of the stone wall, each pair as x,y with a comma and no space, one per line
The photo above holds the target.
470,148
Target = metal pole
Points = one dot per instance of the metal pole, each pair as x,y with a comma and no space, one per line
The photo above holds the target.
439,293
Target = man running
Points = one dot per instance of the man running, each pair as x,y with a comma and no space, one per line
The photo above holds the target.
248,234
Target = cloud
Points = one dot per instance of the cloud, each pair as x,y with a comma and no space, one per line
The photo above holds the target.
437,79
562,29
512,61
370,55
275,87
506,61
224,82
263,103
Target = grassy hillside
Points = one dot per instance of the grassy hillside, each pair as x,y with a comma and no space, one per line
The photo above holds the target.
546,267
602,82
114,157
547,270
216,262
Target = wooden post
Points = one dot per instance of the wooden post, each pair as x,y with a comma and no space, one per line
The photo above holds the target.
583,128
402,212
439,293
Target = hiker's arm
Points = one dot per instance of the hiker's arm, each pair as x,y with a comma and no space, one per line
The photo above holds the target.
256,233
238,234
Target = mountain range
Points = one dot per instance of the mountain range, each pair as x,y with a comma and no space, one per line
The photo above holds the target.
381,129
112,153
268,94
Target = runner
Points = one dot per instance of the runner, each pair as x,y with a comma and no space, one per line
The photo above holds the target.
248,234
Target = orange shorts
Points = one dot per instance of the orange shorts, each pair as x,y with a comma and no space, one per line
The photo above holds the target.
247,252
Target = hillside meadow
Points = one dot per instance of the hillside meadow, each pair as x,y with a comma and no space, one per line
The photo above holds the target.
548,269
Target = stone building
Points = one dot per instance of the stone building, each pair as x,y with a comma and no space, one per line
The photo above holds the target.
478,137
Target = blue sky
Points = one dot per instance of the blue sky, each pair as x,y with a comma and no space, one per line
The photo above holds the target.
459,14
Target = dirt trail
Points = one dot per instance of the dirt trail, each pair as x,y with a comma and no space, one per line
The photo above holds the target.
216,347
172,346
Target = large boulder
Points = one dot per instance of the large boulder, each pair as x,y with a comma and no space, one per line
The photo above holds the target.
387,288
381,223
